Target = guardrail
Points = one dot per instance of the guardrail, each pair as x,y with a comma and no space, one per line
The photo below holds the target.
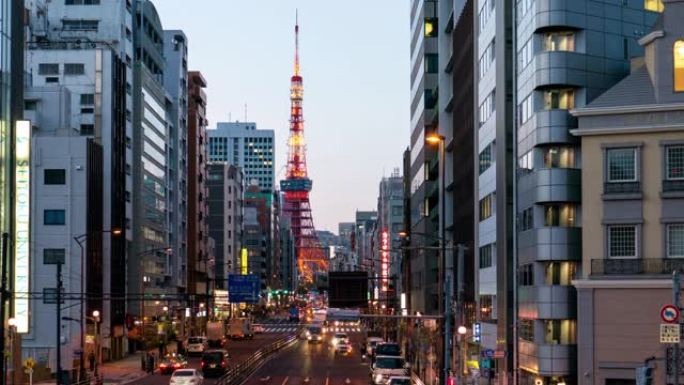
241,372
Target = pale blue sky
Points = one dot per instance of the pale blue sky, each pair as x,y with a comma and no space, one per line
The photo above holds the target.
355,64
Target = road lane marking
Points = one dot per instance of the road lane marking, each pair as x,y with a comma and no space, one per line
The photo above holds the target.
285,380
327,380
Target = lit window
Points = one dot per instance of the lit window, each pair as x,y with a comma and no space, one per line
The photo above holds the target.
526,162
526,329
560,332
622,165
654,5
560,273
487,207
559,99
622,241
559,41
679,66
430,27
559,215
675,240
559,157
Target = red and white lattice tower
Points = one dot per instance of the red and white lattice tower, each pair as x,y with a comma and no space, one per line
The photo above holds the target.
311,259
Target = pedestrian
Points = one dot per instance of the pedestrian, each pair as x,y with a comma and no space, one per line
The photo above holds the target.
150,363
91,361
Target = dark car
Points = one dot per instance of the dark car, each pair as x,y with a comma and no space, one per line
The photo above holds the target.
170,363
214,362
386,349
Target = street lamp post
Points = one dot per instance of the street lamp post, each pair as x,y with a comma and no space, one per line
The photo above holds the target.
80,239
98,344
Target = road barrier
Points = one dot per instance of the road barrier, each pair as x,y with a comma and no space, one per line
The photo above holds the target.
237,374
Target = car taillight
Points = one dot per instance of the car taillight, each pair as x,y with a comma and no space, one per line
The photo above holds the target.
177,365
202,364
162,365
223,363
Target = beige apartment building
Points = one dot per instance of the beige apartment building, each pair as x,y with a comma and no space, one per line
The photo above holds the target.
633,209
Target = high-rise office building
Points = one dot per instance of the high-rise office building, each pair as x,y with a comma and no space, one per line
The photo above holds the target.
242,144
390,224
176,85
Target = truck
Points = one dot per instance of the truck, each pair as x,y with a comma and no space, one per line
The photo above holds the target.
215,333
240,328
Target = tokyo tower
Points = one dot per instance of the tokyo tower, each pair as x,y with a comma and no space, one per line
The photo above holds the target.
311,259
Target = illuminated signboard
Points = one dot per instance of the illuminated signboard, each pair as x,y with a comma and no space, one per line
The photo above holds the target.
384,260
243,261
220,297
22,213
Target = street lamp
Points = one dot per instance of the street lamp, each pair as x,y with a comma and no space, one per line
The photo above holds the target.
98,343
462,332
436,139
80,239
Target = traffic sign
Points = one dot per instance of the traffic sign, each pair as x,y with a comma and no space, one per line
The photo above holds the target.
669,333
669,313
499,354
488,353
29,363
243,288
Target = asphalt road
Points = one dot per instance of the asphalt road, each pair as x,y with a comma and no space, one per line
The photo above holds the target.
239,351
314,364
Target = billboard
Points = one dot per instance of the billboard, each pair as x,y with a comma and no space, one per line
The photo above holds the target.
22,228
243,288
348,289
384,260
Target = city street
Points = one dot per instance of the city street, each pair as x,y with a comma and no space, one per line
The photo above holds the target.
315,362
239,350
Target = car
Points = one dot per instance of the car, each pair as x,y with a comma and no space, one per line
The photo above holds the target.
258,328
171,363
386,349
386,367
339,337
196,345
186,377
214,362
343,348
371,342
314,334
399,380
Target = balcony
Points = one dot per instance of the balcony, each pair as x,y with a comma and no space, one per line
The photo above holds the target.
645,266
673,186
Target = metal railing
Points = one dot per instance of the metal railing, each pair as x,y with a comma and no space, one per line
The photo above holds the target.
242,371
673,185
622,187
653,266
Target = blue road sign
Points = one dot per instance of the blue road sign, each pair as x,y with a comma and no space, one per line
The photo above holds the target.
243,288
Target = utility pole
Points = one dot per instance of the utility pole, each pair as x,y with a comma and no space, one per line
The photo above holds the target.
676,287
4,296
58,347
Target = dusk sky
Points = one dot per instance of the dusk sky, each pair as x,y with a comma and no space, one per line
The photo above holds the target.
355,65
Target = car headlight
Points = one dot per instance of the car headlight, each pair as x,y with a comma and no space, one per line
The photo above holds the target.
378,377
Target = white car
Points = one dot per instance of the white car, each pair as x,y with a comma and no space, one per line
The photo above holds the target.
258,328
386,367
343,348
186,377
340,338
197,345
399,380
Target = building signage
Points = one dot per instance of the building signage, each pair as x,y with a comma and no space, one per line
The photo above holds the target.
477,332
220,297
243,261
22,228
384,260
669,334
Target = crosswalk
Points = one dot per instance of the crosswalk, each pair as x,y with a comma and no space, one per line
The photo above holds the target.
292,328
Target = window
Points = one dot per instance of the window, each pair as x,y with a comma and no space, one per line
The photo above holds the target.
431,63
654,5
430,26
80,25
525,55
674,162
87,99
487,254
82,2
487,108
486,158
559,99
526,329
675,240
527,219
486,12
526,275
487,207
560,273
30,105
559,41
559,157
87,129
487,307
526,162
525,110
559,215
622,164
74,69
50,256
397,210
622,241
679,66
487,58
524,6
54,217
54,176
563,332
48,69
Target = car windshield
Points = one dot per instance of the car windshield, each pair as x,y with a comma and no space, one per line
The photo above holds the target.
214,357
194,340
315,330
184,373
388,350
389,363
340,336
400,381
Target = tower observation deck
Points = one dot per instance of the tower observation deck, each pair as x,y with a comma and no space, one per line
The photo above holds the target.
311,259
